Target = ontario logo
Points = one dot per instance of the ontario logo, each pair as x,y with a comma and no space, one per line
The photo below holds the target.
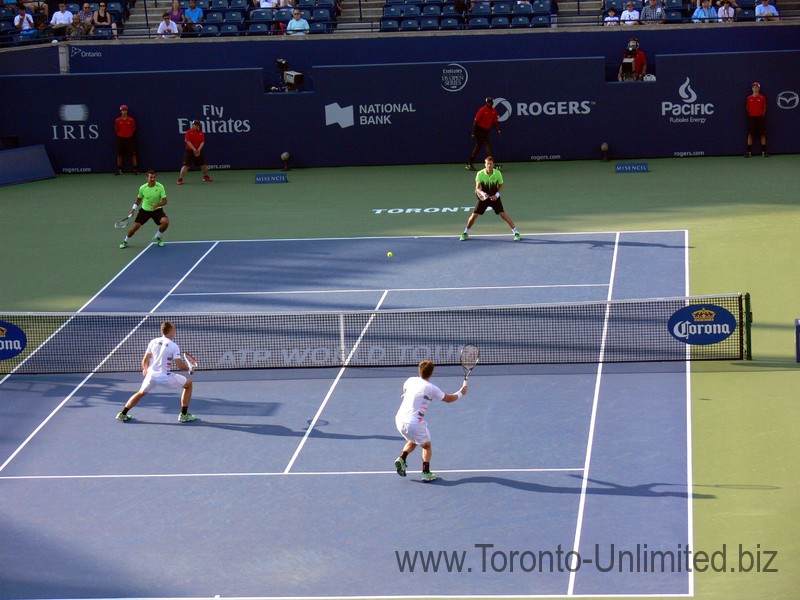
701,324
379,113
12,340
688,110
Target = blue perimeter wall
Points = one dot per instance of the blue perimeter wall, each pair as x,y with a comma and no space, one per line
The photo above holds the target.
399,107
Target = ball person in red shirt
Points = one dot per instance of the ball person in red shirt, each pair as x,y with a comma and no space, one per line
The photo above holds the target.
195,142
485,119
756,107
125,128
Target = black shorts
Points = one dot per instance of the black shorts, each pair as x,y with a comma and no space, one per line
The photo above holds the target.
143,216
482,205
756,126
481,135
126,146
190,159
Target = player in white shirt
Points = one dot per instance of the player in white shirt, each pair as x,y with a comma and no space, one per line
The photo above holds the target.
162,353
418,392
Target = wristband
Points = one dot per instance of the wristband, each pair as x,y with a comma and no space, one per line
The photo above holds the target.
497,194
458,394
134,207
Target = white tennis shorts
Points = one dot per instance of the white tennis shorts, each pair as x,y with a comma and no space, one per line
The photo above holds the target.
168,380
416,432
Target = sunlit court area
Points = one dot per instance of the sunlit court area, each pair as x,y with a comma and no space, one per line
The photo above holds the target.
231,253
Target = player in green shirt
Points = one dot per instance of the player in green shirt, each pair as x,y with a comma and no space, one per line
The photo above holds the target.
152,198
488,185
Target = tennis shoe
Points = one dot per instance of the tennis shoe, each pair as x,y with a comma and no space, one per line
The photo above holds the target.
123,417
180,181
136,171
401,466
119,172
428,477
207,179
159,241
748,154
765,154
186,418
464,237
516,237
469,167
123,244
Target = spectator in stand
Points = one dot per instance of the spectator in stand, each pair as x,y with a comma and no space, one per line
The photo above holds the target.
86,15
726,13
61,18
37,6
193,19
611,19
653,13
78,30
766,12
168,29
104,22
705,13
24,22
298,25
630,16
176,14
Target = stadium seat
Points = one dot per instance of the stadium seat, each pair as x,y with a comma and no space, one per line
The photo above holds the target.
214,17
431,10
210,30
501,9
410,11
519,21
228,30
449,23
523,9
617,5
674,5
318,27
541,7
74,7
392,12
258,29
219,5
283,15
409,25
116,10
429,24
390,24
673,16
480,9
746,14
501,22
309,4
478,23
321,14
6,14
449,10
261,15
749,4
540,21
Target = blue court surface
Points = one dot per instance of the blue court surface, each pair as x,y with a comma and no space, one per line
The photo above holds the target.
556,480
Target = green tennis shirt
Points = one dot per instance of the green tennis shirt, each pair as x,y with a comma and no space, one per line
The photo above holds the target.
489,183
151,195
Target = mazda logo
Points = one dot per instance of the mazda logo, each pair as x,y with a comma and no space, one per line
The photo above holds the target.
788,100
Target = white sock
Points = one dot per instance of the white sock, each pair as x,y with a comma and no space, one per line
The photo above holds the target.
158,234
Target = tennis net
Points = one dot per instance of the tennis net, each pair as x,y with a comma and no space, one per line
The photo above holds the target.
662,329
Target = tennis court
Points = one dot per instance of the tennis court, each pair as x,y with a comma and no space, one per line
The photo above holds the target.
285,485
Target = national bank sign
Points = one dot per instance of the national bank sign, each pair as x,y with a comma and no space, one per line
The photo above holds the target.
379,113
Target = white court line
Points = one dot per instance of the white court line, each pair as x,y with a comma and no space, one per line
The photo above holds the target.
689,471
90,375
584,484
333,385
428,289
427,596
282,474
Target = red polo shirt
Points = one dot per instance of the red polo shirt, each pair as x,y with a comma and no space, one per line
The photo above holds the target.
486,117
125,128
756,106
195,136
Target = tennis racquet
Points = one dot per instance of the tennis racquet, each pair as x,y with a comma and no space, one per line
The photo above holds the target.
191,361
122,223
470,355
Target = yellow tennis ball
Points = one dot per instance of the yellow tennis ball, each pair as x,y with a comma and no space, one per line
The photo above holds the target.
389,254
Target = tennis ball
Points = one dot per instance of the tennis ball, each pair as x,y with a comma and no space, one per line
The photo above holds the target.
389,254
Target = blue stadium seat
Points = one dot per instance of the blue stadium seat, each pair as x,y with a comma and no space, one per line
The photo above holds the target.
480,9
617,5
258,29
540,21
478,23
321,14
235,17
309,4
240,5
746,14
523,9
429,24
214,17
449,10
228,30
749,4
261,15
673,16
390,24
674,5
74,7
283,15
318,27
116,10
500,22
210,30
541,7
431,10
6,14
518,21
449,23
409,25
220,5
392,12
501,9
410,11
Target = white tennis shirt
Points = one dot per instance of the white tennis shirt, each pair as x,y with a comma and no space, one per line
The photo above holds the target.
417,396
163,351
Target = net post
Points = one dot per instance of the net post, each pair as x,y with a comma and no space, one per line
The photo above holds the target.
748,321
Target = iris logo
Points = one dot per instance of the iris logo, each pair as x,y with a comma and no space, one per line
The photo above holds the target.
689,110
79,114
343,116
503,108
788,100
73,112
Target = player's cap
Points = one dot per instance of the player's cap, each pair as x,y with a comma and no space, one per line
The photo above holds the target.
124,107
196,122
756,84
489,99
